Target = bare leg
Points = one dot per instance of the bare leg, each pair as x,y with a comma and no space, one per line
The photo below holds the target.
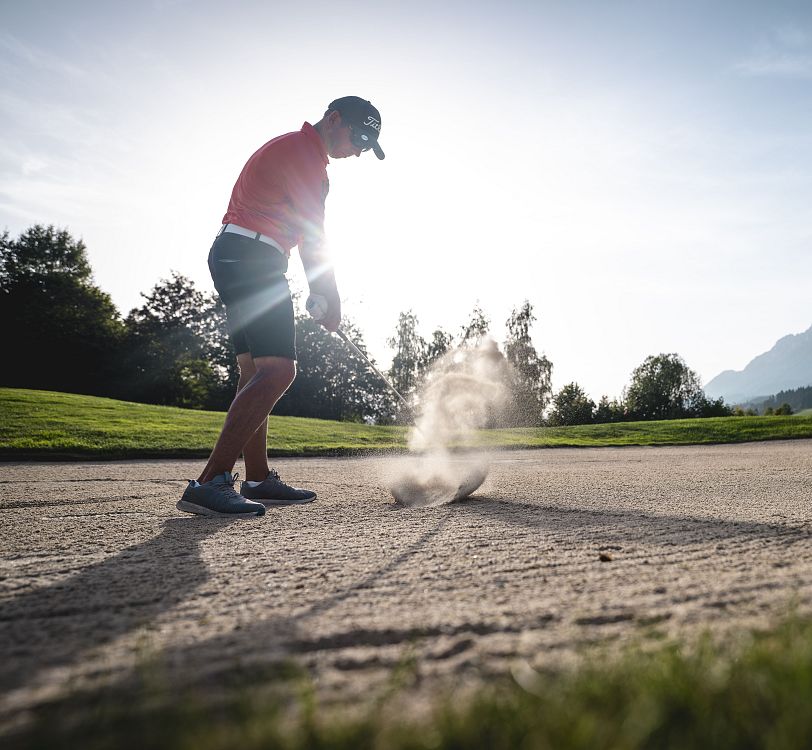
255,451
248,415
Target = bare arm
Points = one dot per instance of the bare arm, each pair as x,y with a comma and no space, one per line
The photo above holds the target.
321,278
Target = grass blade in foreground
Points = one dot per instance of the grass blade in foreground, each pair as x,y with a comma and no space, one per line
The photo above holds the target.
730,697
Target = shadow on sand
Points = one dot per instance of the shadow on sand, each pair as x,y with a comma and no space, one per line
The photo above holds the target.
103,601
129,590
168,568
625,526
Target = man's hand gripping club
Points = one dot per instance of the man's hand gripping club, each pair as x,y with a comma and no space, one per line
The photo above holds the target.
323,304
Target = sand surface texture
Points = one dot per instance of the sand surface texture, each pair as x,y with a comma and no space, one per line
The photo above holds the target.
557,549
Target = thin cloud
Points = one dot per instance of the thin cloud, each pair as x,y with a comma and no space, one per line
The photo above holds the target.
792,36
781,65
16,50
785,53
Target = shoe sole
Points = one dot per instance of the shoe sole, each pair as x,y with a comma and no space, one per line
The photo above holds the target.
279,503
199,510
273,502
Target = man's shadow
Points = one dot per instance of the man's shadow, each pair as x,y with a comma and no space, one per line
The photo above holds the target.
143,581
265,648
55,625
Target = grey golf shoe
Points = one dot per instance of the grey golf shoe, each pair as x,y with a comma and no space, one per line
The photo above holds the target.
218,498
273,491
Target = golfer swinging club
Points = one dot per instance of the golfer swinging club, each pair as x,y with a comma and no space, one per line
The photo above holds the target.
277,202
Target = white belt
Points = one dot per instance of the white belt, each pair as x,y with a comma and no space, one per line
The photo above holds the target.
237,229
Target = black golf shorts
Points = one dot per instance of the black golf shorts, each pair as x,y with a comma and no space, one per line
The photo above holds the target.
249,276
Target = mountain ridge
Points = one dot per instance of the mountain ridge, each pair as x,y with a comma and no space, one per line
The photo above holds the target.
787,365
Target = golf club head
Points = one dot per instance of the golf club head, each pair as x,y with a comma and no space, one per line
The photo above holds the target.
470,484
424,482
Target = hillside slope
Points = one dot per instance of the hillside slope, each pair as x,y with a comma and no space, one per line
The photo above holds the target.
787,365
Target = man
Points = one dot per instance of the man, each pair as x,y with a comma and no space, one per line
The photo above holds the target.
277,202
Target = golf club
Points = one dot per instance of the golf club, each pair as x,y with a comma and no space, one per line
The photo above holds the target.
349,342
412,490
316,305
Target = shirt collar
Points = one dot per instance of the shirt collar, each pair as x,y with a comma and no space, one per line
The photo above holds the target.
314,137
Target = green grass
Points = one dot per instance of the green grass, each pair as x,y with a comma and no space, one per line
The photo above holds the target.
666,432
751,693
65,425
44,424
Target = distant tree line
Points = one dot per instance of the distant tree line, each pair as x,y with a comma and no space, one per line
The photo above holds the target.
528,372
796,399
783,402
662,387
63,333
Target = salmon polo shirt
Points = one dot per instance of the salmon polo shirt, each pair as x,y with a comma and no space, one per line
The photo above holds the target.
282,188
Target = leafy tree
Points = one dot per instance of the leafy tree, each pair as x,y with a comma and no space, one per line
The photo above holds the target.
441,343
664,387
42,253
571,406
784,410
531,374
333,382
410,354
475,330
705,407
213,329
609,411
177,348
62,332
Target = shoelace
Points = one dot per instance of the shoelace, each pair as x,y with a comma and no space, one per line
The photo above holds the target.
227,486
274,474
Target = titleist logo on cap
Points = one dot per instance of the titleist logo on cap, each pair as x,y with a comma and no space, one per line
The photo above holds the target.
373,123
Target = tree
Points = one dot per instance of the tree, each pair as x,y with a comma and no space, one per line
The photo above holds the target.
664,387
441,343
177,348
475,330
42,253
705,407
212,327
410,354
571,406
609,411
62,332
798,399
332,381
530,373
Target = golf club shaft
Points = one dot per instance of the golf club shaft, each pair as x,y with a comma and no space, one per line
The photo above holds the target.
346,339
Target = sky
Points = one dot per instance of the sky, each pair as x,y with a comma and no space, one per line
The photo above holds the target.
640,172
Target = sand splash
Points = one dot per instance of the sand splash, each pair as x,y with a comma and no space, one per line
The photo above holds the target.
462,392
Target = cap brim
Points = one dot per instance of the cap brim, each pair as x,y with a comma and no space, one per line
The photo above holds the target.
376,147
